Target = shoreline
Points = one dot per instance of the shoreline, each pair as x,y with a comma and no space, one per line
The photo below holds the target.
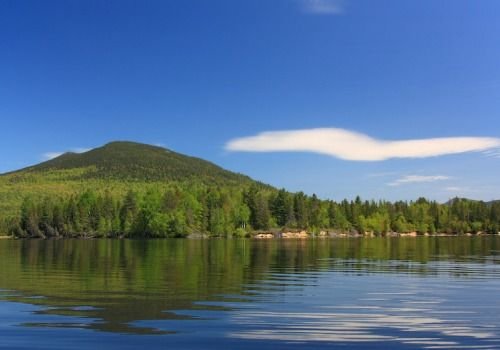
304,234
263,236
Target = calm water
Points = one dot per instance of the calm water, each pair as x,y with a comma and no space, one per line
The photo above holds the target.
401,293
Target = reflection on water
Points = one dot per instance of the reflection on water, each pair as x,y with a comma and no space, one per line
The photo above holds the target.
401,293
411,315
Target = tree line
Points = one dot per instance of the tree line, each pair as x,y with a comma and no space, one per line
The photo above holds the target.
178,211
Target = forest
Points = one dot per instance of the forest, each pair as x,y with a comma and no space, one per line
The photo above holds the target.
128,189
178,211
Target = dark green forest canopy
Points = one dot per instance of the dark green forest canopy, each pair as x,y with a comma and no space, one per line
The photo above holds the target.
134,190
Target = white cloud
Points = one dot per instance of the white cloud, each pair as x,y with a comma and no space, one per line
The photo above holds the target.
494,153
323,7
455,189
350,145
80,150
383,174
52,155
408,179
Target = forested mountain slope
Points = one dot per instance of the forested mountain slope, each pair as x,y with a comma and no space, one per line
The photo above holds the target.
121,160
130,189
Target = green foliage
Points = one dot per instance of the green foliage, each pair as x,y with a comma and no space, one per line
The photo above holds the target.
177,211
134,190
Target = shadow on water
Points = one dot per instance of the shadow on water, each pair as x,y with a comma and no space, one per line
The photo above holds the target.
130,287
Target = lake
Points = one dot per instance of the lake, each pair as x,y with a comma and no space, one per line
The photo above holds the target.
379,293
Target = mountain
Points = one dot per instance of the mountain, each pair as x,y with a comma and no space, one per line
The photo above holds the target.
459,199
116,167
122,160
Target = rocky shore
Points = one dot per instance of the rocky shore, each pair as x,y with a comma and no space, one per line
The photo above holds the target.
302,234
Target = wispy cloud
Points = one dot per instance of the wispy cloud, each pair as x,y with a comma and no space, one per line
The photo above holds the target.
383,174
455,189
350,145
52,155
411,179
80,150
494,153
323,7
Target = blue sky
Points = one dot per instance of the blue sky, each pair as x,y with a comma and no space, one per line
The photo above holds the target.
196,75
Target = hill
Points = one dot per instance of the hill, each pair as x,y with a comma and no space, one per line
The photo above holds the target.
116,167
133,161
460,199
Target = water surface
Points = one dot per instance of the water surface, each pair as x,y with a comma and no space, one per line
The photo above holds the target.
400,293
